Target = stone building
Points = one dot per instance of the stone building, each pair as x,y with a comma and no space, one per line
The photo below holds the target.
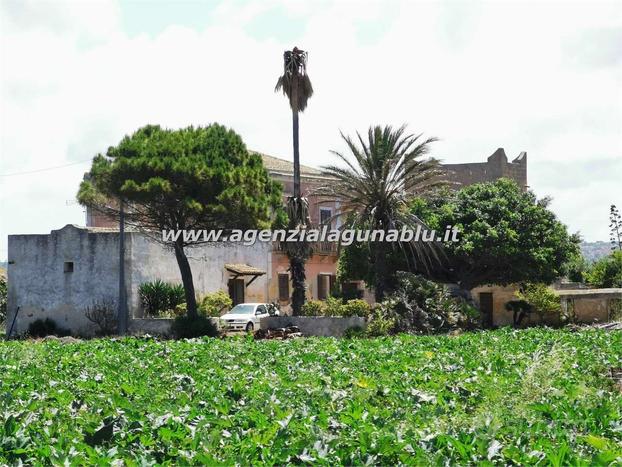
57,275
495,167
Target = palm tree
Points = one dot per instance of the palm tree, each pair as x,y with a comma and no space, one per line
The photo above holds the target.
388,170
296,85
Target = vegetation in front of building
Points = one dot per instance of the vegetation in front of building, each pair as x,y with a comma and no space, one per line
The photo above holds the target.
536,396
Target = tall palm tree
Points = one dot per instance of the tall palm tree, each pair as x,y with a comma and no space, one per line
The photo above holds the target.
296,85
388,170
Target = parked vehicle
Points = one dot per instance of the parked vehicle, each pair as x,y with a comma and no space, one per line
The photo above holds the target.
246,316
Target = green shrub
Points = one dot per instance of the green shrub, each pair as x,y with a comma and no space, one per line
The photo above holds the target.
541,298
379,324
313,308
158,296
356,307
213,304
46,327
424,307
353,332
184,327
606,272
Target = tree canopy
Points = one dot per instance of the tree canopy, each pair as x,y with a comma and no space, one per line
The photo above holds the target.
507,235
191,178
377,178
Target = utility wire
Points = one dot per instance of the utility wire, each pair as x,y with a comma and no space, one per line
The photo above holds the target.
45,169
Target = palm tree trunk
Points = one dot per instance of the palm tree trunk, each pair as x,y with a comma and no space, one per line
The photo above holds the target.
296,154
380,271
186,278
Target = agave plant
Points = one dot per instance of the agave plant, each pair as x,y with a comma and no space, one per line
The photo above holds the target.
388,170
296,85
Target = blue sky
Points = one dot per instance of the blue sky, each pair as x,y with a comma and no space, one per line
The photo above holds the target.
540,77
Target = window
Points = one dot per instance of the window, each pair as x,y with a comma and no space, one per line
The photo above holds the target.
68,266
261,310
284,287
325,285
325,215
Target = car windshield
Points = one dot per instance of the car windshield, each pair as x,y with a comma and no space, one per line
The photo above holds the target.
242,309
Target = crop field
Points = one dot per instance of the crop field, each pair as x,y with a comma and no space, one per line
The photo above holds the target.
537,396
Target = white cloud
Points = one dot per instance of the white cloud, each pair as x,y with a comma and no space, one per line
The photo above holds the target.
477,75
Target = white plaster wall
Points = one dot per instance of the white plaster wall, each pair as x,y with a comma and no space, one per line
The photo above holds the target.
150,261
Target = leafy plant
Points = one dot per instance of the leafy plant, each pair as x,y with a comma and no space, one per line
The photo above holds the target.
606,272
356,307
541,298
103,313
502,397
313,308
213,304
158,296
422,306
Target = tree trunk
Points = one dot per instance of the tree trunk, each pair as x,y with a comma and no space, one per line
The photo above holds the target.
296,150
380,271
186,278
297,267
297,261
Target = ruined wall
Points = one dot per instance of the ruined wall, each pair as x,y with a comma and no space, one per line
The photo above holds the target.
495,167
152,261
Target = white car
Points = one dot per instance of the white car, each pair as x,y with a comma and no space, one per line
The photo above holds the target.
246,316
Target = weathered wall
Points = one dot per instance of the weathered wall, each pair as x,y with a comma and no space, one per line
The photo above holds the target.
151,261
38,285
315,325
495,167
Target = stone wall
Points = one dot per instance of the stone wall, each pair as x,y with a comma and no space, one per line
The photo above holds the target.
315,325
58,275
495,167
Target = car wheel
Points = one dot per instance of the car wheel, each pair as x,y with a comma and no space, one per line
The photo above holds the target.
250,327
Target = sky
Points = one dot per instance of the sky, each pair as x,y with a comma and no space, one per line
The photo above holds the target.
541,77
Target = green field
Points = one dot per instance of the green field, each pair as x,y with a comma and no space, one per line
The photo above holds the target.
534,396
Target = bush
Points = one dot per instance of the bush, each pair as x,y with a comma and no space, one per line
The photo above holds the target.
212,304
606,272
424,307
355,307
353,332
103,314
541,298
158,296
379,324
186,328
46,327
313,308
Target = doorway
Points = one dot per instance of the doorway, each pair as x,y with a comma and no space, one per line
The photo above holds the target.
236,290
486,308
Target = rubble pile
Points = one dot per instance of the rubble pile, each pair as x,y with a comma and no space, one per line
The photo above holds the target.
288,332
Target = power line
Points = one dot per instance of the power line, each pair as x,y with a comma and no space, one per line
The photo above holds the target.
45,169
